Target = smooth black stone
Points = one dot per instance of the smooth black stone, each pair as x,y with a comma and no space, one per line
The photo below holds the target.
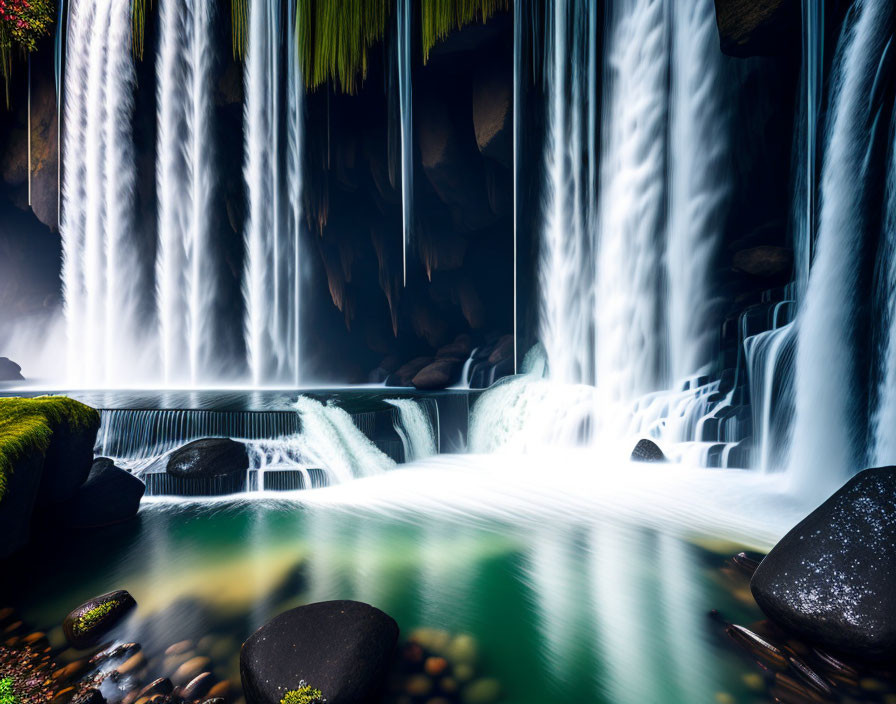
110,495
647,451
211,457
832,579
342,648
9,370
89,634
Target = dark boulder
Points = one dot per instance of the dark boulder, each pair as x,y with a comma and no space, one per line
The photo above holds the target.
758,27
832,579
442,373
647,451
211,457
9,370
69,457
110,495
342,648
88,623
406,372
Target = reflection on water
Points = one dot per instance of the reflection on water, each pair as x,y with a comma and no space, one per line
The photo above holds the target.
591,611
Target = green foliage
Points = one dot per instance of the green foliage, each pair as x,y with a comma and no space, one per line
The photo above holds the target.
22,24
334,38
138,25
26,426
440,17
90,618
305,694
239,21
7,693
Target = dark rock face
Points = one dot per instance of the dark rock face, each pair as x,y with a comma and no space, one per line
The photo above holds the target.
443,372
832,579
342,648
211,457
9,370
405,373
68,462
15,512
758,27
110,495
764,261
647,451
91,620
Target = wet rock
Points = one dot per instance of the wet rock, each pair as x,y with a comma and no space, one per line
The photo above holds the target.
647,451
764,261
758,27
493,111
405,373
199,686
503,350
832,579
189,670
9,370
90,696
342,648
439,374
110,495
89,622
208,458
69,457
459,349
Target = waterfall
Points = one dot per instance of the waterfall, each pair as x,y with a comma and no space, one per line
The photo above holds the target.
101,273
415,429
699,185
272,277
828,429
406,107
566,316
185,276
883,437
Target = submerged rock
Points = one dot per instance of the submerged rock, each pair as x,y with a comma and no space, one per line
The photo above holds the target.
211,457
832,579
647,451
110,495
91,620
342,648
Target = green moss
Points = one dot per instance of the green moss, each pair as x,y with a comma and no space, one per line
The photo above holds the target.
26,426
305,694
7,693
90,618
441,17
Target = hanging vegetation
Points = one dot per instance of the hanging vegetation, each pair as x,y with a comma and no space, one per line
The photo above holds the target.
22,24
441,17
334,38
239,21
138,24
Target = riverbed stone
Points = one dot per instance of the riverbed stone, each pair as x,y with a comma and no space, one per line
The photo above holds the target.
342,648
647,451
208,458
832,579
91,620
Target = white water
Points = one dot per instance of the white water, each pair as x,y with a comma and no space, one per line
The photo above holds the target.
404,18
272,277
186,281
415,429
699,184
826,441
101,271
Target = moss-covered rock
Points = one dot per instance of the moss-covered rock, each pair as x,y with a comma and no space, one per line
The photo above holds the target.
46,451
91,620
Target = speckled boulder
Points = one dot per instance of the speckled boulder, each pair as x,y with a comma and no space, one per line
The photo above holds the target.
647,451
88,623
832,579
342,648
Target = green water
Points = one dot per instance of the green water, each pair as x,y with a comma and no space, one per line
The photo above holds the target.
587,613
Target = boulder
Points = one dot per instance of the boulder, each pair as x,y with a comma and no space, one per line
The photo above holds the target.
69,457
758,27
405,373
342,648
503,350
647,451
832,579
441,373
110,495
493,111
10,371
208,458
459,349
88,623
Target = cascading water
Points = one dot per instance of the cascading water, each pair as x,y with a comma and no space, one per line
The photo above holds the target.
405,97
415,429
829,426
102,274
185,276
272,280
